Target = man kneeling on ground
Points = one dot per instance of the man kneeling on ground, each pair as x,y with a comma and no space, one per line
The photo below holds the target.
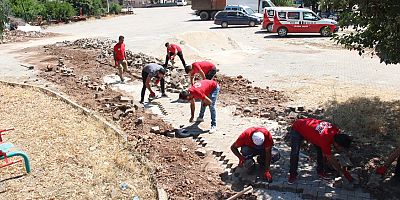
207,91
255,141
149,71
323,135
207,70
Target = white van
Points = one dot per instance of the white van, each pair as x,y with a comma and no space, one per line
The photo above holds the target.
245,9
301,20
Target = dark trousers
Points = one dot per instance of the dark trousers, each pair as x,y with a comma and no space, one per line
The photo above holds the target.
397,169
249,153
296,140
180,55
144,77
210,75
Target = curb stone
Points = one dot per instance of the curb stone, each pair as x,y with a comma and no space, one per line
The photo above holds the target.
108,127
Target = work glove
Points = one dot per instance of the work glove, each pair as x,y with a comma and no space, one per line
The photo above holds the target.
116,63
347,175
381,170
241,161
152,94
267,176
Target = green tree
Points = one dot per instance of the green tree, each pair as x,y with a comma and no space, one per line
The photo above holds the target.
312,3
283,2
4,13
115,8
58,10
26,9
89,7
377,29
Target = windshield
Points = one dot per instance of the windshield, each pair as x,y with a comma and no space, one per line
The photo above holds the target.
270,3
249,11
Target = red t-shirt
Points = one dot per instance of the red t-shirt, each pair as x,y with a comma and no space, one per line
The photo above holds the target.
119,50
317,132
202,88
205,66
245,138
173,48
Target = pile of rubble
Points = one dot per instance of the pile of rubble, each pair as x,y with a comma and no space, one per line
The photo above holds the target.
21,36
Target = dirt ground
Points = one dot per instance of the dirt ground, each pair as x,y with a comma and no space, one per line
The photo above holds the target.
171,158
182,173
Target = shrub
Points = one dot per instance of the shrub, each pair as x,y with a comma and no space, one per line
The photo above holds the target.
115,8
58,10
26,9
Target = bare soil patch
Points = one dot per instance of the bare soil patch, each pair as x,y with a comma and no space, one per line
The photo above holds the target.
182,173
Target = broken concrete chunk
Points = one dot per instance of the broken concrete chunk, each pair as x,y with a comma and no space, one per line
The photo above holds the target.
117,115
248,109
155,129
253,100
125,99
282,122
265,114
200,152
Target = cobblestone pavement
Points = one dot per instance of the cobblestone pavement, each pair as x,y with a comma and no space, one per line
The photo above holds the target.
229,127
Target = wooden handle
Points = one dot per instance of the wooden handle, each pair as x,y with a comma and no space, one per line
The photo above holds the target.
240,193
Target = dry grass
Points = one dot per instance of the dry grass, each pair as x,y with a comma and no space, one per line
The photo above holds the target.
72,157
369,119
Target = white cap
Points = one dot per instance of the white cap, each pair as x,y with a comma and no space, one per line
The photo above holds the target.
258,138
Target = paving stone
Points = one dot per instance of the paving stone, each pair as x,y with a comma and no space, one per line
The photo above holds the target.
200,152
289,187
155,129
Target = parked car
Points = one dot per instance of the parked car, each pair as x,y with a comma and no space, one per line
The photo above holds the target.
302,20
181,2
226,18
245,9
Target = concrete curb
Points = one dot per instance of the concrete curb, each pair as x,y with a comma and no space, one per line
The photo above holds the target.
107,126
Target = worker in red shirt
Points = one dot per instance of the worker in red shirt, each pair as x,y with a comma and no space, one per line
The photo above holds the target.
255,141
207,91
207,70
323,135
393,156
172,51
120,57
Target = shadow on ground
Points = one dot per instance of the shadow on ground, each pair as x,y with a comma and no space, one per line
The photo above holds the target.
231,27
292,36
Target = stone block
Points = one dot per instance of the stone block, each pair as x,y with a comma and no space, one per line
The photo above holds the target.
200,152
155,129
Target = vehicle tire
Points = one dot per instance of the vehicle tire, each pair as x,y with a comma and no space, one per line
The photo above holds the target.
224,24
269,28
252,23
282,32
204,15
325,31
213,13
